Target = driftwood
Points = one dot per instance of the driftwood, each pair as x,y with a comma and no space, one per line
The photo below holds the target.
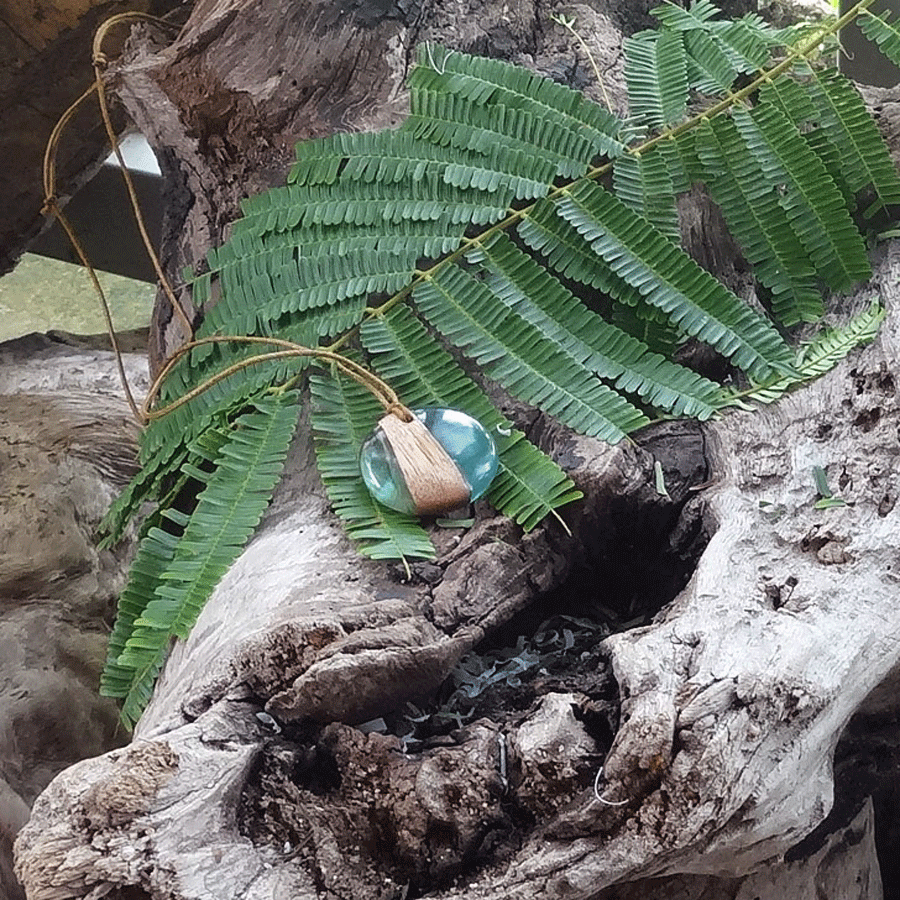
732,701
67,446
691,756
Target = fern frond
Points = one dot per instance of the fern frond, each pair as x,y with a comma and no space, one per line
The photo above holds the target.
227,397
525,287
693,19
194,466
303,326
392,157
679,156
298,284
568,254
758,222
143,487
822,354
228,510
139,692
529,486
718,50
432,237
518,356
884,30
363,209
429,198
824,226
153,558
746,41
825,149
656,74
669,279
450,120
865,160
794,100
343,415
709,66
491,83
648,325
643,183
471,218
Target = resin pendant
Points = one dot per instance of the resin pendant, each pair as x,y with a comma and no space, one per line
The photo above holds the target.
439,461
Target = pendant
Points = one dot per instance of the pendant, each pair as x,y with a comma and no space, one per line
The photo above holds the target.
438,462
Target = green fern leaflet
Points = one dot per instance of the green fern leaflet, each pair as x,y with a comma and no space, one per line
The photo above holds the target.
510,232
174,574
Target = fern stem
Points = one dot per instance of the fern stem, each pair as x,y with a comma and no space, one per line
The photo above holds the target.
569,25
100,63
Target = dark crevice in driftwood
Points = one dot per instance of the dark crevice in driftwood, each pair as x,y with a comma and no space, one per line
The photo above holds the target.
370,809
887,835
639,547
432,802
396,820
132,892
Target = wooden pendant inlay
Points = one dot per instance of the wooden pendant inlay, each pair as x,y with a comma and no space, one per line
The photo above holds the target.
434,482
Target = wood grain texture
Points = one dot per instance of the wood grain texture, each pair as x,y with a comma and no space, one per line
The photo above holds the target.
431,477
67,445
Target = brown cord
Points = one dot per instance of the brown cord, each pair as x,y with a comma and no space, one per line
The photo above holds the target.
383,392
51,205
100,62
400,411
51,202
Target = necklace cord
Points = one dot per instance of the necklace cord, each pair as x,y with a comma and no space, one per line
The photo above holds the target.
145,413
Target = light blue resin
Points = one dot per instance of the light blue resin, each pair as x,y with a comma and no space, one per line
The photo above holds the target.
465,439
467,443
381,474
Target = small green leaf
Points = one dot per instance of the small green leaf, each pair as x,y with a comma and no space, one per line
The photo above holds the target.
826,499
660,479
829,503
821,480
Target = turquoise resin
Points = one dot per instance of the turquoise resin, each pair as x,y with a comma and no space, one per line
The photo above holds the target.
465,439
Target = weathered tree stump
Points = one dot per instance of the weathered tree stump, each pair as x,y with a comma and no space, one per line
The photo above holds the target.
765,624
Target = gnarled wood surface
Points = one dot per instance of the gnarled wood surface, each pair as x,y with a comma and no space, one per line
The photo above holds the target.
67,446
732,700
715,723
